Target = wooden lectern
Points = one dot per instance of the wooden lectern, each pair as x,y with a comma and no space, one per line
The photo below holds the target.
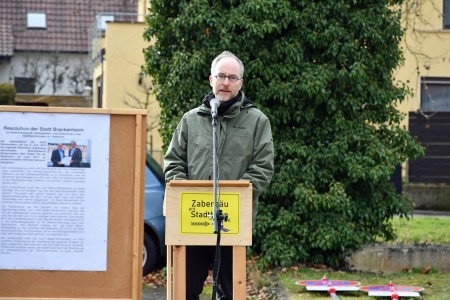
188,205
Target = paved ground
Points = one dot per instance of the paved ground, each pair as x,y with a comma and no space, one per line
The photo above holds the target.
154,293
430,213
159,293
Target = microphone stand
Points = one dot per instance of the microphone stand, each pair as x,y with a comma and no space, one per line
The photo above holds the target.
216,211
218,217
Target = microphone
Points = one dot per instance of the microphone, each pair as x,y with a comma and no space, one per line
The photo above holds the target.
214,103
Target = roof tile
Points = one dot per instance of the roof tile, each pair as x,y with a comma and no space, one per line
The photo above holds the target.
6,40
67,23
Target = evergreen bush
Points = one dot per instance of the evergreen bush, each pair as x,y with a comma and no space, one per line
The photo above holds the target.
322,71
7,94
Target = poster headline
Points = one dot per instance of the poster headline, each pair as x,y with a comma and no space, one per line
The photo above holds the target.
42,129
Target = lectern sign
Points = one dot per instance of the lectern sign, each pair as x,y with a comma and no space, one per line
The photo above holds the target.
189,206
196,211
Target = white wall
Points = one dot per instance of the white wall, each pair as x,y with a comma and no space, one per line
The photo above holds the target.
57,73
4,71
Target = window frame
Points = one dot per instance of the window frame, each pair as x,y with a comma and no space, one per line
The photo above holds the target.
36,20
446,14
427,83
25,85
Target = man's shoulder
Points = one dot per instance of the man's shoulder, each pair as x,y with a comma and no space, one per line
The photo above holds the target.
194,112
246,103
253,110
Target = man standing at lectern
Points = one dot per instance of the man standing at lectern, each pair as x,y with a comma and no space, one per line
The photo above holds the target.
245,152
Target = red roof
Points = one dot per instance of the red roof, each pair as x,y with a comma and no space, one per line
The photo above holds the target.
67,23
6,40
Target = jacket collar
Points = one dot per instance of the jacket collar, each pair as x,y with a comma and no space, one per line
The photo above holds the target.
244,102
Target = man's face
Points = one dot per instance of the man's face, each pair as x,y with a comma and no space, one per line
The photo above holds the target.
73,144
226,90
59,146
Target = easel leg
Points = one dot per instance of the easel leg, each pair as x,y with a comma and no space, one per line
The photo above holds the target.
179,272
239,273
169,272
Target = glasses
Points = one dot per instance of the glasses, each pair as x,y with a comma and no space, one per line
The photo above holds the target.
231,78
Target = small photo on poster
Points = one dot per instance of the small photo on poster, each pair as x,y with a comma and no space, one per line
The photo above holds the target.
69,153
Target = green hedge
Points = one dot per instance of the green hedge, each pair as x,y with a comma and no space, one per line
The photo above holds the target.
7,94
322,71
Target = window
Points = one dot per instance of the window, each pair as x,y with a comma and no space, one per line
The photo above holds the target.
24,85
88,82
36,20
100,91
446,14
435,94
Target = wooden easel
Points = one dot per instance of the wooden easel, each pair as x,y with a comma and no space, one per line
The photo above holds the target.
177,240
125,220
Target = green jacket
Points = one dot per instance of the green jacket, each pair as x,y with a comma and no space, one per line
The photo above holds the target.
245,147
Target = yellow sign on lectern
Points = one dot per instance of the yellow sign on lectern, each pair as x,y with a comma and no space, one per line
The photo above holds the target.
196,212
189,209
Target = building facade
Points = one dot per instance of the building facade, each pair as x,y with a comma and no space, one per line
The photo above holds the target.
426,71
117,58
44,44
78,53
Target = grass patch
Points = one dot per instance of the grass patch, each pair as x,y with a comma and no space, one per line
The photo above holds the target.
422,230
437,285
417,230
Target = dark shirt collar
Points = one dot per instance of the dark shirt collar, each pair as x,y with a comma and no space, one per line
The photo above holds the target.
224,105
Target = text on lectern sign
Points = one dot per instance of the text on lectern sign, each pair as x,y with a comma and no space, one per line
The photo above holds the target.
196,210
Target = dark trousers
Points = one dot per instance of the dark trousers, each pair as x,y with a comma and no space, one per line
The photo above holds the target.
199,259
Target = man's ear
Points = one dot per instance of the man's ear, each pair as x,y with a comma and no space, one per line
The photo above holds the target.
211,80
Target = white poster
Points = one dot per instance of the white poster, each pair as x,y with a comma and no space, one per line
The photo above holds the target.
54,191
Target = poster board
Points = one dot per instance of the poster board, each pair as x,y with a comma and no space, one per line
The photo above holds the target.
123,275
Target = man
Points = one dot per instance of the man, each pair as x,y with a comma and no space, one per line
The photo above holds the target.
75,154
245,151
57,156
